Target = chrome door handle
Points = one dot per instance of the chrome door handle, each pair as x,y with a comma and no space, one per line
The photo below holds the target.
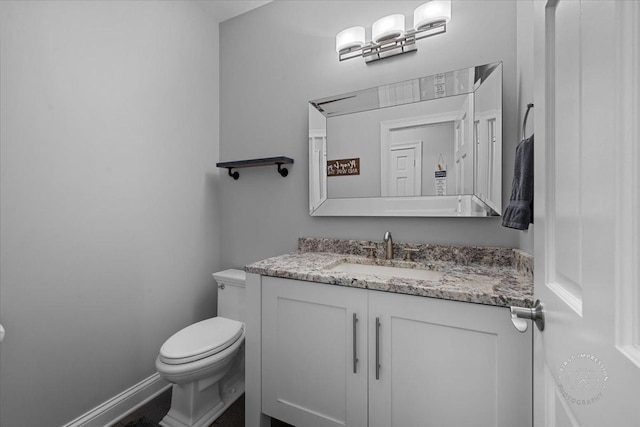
355,349
1,333
520,314
377,348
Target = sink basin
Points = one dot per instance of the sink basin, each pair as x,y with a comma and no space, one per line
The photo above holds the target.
387,271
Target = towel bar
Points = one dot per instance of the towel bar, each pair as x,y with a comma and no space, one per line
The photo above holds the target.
524,124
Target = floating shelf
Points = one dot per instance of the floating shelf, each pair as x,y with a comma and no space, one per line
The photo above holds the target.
256,162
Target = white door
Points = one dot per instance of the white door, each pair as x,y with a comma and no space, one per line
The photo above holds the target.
406,169
587,239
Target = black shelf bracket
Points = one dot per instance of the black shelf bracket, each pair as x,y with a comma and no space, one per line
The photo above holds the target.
278,161
234,175
282,171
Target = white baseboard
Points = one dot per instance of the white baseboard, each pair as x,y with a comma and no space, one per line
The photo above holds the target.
123,404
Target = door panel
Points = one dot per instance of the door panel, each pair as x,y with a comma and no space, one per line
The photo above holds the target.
419,394
298,385
565,206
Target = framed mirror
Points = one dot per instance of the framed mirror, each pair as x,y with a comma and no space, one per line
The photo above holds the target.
430,146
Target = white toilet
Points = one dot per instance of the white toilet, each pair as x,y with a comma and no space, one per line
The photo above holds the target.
205,361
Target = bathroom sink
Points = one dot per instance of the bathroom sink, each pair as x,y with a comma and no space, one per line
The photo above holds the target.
387,271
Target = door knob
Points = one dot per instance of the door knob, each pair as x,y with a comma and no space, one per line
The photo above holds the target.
519,316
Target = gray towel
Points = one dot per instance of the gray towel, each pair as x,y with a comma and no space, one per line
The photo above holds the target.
519,212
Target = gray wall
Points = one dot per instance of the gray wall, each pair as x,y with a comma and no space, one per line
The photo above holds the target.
275,59
109,221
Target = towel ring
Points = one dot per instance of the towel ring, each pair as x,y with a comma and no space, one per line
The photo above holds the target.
524,124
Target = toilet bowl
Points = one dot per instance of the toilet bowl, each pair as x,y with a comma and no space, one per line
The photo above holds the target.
205,361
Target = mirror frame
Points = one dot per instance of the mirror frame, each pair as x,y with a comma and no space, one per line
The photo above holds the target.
464,205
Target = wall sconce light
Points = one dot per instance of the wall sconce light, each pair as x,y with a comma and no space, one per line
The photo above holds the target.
388,34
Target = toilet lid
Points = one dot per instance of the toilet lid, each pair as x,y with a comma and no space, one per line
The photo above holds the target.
200,340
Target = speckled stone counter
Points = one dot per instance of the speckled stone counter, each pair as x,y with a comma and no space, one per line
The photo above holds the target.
484,275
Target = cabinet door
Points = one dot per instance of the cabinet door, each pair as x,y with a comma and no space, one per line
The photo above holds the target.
308,348
446,363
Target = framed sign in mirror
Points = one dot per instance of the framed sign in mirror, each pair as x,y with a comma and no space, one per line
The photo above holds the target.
430,146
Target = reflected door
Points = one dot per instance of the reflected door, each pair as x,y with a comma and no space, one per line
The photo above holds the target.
463,152
406,173
317,168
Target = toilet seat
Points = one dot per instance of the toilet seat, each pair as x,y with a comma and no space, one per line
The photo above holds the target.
201,340
202,368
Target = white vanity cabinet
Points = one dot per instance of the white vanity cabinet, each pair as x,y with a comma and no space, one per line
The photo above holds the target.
440,363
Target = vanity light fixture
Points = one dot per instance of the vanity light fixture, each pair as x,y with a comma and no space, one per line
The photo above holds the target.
388,35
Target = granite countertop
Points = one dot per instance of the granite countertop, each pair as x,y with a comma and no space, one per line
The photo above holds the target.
484,275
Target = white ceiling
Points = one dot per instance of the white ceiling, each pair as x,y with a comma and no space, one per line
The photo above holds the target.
223,9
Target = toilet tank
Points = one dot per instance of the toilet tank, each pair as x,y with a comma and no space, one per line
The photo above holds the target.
231,294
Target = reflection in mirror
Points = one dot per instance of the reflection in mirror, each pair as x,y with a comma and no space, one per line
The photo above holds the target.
424,147
487,135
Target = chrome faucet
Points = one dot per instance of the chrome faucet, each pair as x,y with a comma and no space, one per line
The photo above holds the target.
389,241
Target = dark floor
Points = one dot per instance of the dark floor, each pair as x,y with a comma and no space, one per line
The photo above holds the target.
156,409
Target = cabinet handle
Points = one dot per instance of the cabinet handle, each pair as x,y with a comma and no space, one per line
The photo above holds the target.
355,350
377,348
